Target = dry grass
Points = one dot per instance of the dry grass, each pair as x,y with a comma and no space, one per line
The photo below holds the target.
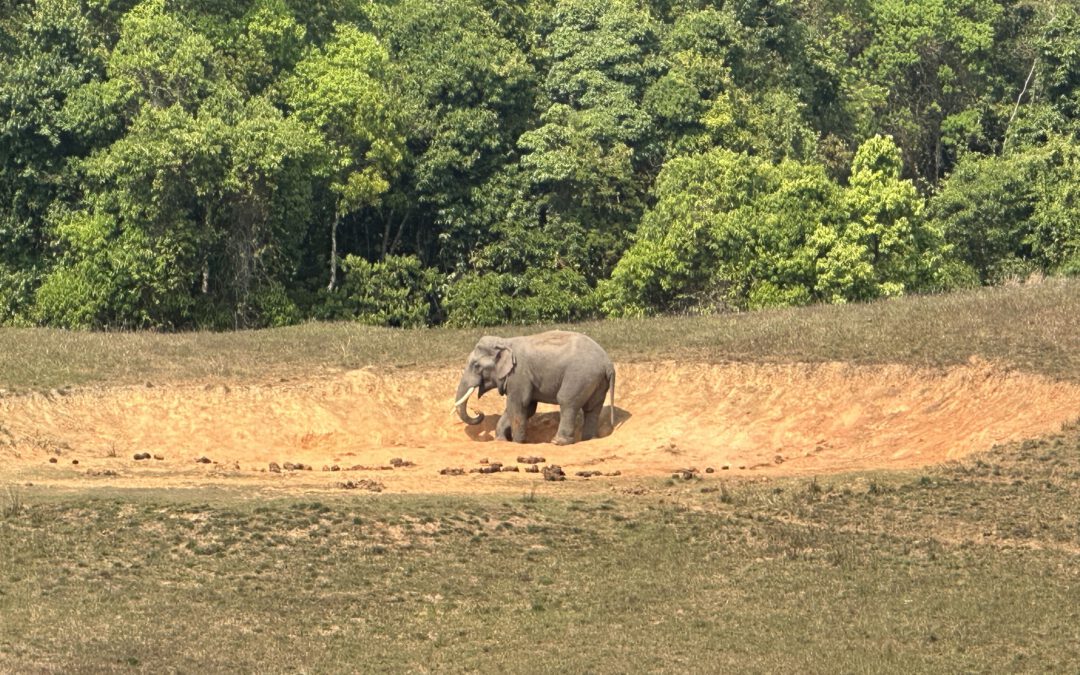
964,568
1033,327
969,567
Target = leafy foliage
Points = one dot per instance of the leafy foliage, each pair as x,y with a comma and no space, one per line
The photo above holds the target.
216,165
397,291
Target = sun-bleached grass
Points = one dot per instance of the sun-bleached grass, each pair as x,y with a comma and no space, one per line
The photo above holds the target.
1034,327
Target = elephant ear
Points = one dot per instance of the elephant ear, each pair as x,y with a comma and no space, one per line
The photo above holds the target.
504,365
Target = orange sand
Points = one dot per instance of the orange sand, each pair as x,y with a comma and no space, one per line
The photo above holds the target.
753,419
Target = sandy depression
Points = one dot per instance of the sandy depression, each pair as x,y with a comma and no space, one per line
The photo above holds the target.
738,419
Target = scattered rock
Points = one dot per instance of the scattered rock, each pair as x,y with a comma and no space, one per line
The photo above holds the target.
554,472
484,461
74,461
398,463
709,469
725,467
52,460
274,468
510,468
532,468
200,460
530,459
139,456
363,483
685,474
589,474
614,473
159,457
106,472
452,472
289,466
335,468
325,467
779,459
495,467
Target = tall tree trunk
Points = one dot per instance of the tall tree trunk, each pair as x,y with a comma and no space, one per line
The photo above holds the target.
397,237
333,252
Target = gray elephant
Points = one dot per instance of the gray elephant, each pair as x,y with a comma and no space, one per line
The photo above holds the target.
561,367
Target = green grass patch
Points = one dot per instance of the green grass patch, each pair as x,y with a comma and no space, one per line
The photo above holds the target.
963,568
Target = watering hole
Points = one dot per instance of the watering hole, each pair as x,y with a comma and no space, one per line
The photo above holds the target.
774,419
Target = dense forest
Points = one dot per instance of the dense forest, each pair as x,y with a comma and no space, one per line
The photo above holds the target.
208,164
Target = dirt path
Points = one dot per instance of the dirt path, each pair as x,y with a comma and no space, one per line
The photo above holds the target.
751,419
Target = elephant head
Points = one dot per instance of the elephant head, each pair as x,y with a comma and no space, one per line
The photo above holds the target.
489,364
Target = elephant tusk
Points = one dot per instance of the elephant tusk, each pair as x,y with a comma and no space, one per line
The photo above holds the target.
465,397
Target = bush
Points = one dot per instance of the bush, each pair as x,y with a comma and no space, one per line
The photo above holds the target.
109,276
538,296
398,292
16,294
1008,216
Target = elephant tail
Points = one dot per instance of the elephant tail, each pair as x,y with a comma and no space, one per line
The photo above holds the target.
611,392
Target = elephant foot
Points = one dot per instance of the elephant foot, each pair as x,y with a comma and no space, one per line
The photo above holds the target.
563,440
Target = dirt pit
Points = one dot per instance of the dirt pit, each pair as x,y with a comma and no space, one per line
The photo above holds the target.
735,419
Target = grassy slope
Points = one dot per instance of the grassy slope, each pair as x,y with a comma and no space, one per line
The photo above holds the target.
966,567
1036,328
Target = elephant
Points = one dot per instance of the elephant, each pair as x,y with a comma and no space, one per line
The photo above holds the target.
557,366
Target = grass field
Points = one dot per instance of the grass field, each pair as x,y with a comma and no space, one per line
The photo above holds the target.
972,566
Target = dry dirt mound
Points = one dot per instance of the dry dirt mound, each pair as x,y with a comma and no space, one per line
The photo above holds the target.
739,418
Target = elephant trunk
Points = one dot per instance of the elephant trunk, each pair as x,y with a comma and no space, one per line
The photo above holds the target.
464,391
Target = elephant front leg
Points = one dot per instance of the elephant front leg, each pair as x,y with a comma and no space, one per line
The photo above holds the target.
502,429
511,425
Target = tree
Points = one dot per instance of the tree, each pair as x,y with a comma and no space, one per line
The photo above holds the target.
47,50
465,94
342,92
728,231
930,74
885,247
583,164
188,212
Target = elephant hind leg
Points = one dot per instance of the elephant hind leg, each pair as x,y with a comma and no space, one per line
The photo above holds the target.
592,408
567,422
591,427
531,410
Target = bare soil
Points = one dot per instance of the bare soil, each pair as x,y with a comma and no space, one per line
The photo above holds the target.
397,428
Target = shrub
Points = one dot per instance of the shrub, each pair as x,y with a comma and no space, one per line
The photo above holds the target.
397,292
119,277
540,295
16,294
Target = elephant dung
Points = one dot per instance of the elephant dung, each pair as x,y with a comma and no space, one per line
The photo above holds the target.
554,472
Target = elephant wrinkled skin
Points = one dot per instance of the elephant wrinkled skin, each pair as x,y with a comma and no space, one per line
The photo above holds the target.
561,367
